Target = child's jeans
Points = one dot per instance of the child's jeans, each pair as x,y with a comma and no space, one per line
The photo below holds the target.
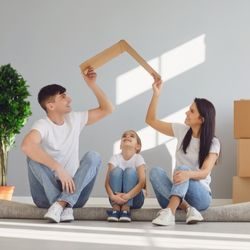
46,188
122,181
192,191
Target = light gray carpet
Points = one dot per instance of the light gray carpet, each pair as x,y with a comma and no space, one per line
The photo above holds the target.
15,210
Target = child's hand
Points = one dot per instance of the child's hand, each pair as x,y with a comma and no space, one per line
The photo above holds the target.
125,197
117,198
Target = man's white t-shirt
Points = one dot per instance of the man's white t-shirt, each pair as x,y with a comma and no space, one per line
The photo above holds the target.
191,158
118,161
61,142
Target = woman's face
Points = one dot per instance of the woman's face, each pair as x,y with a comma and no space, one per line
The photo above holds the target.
193,117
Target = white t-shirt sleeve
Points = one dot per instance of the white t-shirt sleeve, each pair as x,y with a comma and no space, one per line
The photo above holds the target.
82,118
41,127
179,130
215,146
139,161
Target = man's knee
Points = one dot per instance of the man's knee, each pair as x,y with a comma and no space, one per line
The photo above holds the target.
93,157
31,163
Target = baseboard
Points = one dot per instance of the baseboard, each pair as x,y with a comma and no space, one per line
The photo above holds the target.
103,201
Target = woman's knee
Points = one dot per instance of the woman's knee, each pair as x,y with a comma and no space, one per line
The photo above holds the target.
182,168
154,173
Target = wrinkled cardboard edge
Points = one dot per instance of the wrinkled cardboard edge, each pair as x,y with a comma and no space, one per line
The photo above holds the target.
114,51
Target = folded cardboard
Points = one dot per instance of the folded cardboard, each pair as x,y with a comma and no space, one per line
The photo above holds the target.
114,51
241,189
243,157
242,119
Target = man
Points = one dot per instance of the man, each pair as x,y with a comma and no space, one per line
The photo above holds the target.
57,180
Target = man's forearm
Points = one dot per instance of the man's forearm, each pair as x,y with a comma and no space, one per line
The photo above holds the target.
36,153
104,103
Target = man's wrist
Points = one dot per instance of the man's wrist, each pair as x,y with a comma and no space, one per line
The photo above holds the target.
57,167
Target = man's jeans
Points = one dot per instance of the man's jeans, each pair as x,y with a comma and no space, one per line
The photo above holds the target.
122,181
46,188
192,191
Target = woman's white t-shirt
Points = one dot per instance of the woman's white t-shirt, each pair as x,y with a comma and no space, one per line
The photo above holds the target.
61,142
118,161
191,158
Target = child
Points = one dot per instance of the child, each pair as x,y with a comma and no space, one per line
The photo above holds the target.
126,178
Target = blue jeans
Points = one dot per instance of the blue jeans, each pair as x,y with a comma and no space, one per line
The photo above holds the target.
192,191
46,188
122,181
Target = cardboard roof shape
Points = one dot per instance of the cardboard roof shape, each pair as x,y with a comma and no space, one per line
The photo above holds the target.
114,51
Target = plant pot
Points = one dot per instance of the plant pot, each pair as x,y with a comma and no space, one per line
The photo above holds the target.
6,192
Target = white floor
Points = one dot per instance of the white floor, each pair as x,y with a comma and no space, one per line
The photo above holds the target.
36,235
84,235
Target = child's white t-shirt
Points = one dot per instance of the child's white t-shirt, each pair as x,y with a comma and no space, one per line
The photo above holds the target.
191,158
118,161
61,142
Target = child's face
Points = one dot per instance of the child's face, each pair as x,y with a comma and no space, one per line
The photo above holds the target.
129,139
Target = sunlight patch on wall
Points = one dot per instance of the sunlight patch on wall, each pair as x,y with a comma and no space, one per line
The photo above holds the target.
151,138
134,82
183,58
169,65
170,142
178,117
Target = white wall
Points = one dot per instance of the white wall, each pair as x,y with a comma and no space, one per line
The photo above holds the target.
203,46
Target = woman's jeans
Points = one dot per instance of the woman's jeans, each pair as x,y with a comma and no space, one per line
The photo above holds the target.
122,181
46,188
192,191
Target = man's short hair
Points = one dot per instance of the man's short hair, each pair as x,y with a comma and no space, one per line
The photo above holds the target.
48,92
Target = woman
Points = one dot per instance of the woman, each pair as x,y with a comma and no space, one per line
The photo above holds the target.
196,154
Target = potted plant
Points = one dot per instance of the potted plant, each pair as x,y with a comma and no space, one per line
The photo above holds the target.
14,111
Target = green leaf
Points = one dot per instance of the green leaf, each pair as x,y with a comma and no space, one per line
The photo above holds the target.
14,112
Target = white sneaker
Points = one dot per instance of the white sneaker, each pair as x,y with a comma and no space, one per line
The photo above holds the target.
54,212
67,215
164,217
193,216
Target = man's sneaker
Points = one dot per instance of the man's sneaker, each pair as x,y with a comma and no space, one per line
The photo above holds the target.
54,212
164,217
113,216
125,216
193,216
67,215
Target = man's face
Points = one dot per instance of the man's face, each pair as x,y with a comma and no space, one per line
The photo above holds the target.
60,103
